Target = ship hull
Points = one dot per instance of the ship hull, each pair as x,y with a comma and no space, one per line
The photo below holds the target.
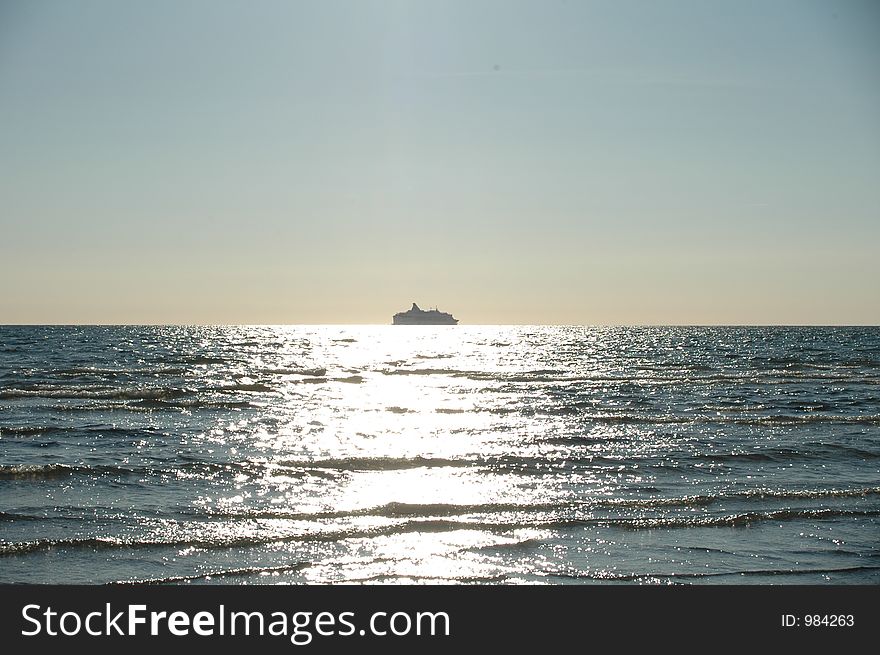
422,321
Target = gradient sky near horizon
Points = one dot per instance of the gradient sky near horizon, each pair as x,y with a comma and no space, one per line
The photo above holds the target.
678,162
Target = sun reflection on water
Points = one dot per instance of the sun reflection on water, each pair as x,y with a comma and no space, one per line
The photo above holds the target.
465,454
391,432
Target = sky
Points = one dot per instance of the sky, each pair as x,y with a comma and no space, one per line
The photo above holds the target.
525,162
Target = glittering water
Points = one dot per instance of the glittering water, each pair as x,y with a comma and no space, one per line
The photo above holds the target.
447,454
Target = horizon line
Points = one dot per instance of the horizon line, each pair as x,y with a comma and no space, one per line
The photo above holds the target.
460,325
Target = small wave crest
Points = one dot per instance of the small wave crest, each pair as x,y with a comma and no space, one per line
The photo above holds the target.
222,573
307,372
742,519
252,387
98,393
36,471
375,463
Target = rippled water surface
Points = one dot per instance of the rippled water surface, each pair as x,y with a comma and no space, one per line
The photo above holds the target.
439,454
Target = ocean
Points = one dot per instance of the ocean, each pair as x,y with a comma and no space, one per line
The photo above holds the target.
466,454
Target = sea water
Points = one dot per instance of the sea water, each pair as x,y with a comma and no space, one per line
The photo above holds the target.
466,454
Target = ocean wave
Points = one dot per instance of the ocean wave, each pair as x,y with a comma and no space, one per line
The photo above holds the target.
661,577
655,503
201,360
222,573
98,393
374,463
563,509
227,540
580,410
214,405
425,371
698,500
742,519
650,376
146,406
847,450
14,516
90,372
43,545
765,455
615,419
523,545
786,494
194,465
80,430
157,470
307,372
393,510
403,510
253,387
37,471
806,419
27,430
421,578
263,536
785,454
544,465
87,372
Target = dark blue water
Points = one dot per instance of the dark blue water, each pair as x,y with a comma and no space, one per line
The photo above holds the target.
451,454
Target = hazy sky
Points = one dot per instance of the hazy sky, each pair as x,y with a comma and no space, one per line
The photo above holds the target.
507,161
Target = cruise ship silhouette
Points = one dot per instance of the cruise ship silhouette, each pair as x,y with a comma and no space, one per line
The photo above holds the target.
416,316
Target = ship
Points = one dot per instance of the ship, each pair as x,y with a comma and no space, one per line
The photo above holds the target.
417,316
